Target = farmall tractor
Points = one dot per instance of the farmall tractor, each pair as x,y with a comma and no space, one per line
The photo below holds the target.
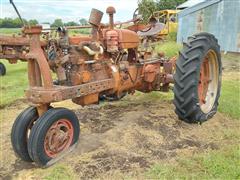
108,64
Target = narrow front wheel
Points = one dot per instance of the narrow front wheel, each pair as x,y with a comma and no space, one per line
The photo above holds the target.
21,130
53,134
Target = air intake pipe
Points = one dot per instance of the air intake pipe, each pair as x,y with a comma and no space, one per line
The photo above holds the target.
95,20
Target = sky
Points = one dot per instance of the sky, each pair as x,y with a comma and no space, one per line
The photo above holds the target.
67,10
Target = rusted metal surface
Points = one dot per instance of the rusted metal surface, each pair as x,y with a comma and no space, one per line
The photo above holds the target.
12,47
137,27
17,41
95,17
111,11
151,71
108,62
37,60
76,40
58,137
39,95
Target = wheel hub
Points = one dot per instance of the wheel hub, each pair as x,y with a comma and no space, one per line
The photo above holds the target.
58,137
208,82
203,81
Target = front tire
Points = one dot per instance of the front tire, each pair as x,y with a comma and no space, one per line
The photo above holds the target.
198,79
54,132
20,132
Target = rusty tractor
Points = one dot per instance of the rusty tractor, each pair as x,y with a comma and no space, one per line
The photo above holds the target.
108,64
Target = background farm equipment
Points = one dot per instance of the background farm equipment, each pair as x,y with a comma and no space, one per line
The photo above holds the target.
169,18
108,64
161,24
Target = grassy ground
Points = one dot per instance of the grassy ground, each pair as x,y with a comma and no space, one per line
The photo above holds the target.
9,31
211,165
230,97
170,48
13,84
80,31
214,164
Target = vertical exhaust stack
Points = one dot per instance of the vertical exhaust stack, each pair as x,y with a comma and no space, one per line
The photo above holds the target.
95,20
111,34
111,11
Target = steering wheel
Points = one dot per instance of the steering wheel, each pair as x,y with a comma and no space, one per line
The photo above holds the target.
136,14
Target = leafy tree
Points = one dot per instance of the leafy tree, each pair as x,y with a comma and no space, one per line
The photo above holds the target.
7,23
147,7
169,4
57,23
11,23
83,21
16,23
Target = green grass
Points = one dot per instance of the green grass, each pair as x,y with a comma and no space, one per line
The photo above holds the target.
10,31
79,32
211,165
59,172
13,84
169,48
230,98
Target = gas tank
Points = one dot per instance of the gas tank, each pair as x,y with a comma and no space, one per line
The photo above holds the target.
128,39
121,38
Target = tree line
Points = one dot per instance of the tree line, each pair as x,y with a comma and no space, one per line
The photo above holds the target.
16,22
59,23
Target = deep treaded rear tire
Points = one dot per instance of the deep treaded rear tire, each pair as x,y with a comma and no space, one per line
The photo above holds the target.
2,69
187,77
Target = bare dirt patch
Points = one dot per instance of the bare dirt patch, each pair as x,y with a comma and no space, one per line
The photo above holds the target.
122,138
231,62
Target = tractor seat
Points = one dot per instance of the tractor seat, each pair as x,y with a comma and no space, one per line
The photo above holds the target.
151,31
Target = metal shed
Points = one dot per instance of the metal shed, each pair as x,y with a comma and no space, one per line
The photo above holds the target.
219,17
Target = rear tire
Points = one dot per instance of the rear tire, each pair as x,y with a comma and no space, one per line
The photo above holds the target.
2,69
198,79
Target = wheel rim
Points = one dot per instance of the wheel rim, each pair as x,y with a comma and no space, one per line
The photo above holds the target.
208,82
58,137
